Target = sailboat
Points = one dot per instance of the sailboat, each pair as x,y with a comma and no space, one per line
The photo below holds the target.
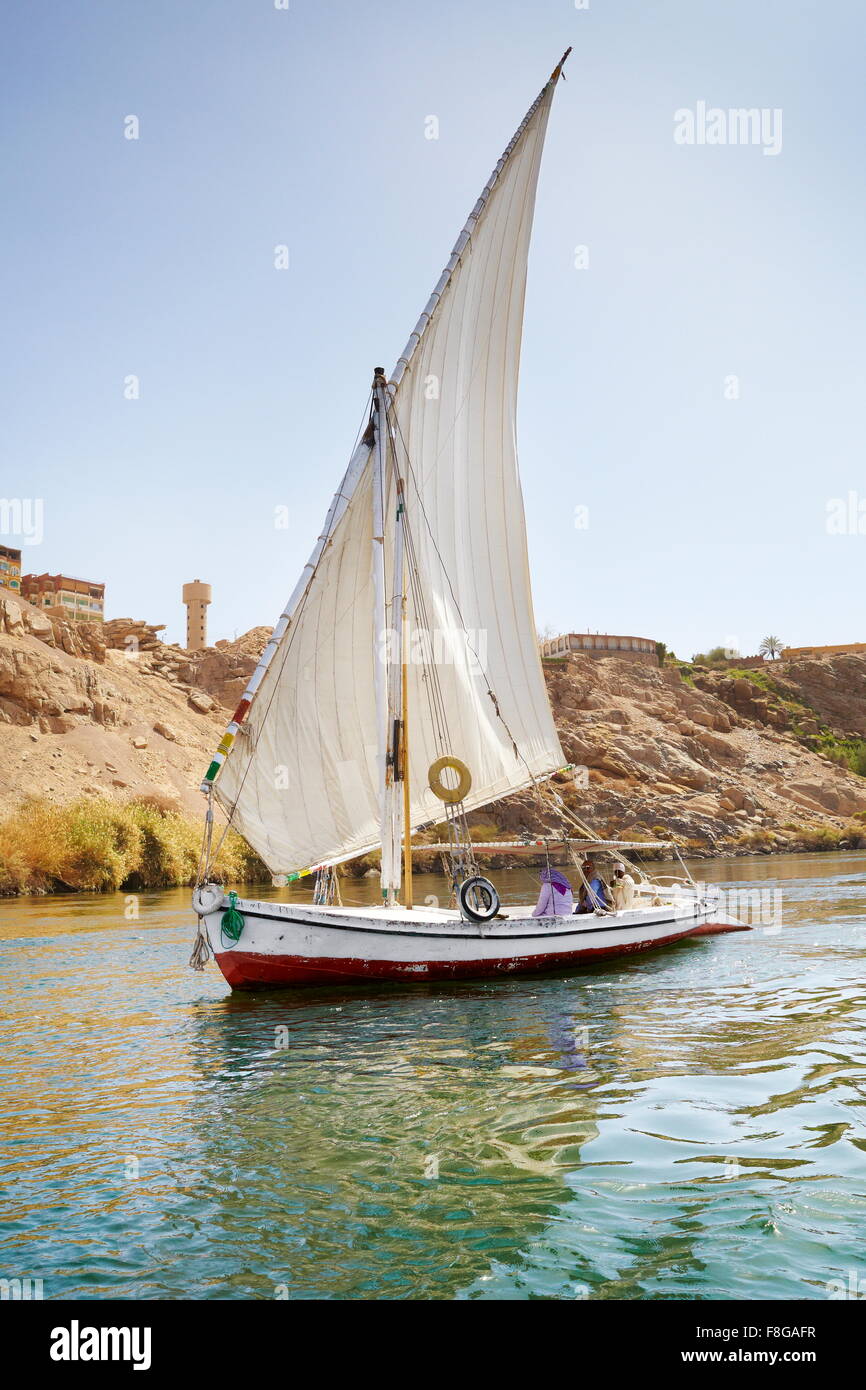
402,687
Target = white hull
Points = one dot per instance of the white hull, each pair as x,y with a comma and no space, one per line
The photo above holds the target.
287,944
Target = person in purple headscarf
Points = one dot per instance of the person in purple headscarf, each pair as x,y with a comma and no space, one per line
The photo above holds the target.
556,898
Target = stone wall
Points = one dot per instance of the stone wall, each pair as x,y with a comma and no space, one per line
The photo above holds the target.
597,644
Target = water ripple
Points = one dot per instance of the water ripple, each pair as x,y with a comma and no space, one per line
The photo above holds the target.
685,1125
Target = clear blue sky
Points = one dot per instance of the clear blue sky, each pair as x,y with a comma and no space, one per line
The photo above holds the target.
259,127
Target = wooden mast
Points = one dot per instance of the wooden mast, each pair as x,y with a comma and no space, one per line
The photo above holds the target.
404,768
379,634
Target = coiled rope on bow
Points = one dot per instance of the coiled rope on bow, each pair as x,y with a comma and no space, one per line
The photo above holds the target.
201,952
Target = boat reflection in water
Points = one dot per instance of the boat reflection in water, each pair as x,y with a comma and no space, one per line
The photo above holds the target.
392,1145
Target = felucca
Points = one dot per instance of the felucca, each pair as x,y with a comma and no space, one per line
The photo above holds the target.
402,686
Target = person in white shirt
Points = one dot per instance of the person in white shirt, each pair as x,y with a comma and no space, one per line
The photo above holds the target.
623,889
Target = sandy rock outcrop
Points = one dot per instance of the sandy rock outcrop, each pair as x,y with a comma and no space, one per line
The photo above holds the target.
86,711
801,695
79,717
834,689
714,761
219,674
131,635
18,618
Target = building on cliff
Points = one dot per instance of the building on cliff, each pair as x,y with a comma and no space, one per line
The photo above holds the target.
10,568
815,653
62,596
640,649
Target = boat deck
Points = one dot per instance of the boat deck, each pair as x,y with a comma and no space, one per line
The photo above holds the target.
427,915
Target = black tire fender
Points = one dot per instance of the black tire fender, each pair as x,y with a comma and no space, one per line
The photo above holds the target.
473,891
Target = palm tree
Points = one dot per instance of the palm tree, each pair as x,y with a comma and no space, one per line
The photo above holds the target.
771,647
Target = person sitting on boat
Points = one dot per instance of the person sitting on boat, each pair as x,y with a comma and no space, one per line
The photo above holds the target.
593,891
556,898
622,889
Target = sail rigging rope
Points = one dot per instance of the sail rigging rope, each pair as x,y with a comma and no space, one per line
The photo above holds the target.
326,890
204,858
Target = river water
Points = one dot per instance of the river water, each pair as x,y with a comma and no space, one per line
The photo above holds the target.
689,1124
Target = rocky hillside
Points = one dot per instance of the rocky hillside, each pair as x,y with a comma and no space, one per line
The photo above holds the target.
722,759
734,760
110,711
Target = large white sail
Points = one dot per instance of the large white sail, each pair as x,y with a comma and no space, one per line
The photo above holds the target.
299,769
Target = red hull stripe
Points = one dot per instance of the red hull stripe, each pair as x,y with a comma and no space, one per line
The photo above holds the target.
250,970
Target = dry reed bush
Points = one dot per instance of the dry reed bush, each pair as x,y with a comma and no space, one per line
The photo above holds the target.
96,845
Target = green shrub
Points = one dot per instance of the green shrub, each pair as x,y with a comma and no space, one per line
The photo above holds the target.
757,839
846,752
824,837
716,656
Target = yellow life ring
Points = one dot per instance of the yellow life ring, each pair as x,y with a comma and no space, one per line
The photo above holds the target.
451,795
